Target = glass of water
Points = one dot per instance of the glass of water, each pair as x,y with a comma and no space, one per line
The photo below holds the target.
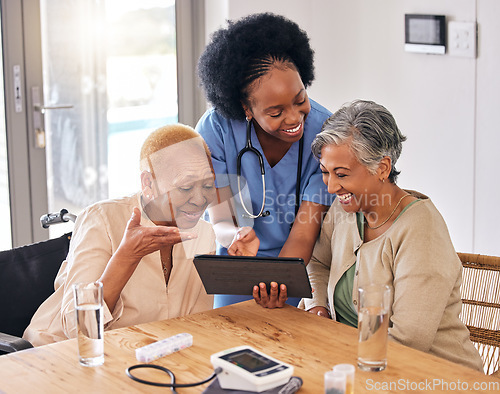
373,323
89,323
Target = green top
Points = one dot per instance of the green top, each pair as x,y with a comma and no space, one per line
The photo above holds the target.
345,310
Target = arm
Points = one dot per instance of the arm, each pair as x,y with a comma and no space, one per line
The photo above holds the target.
426,270
318,268
305,230
215,130
96,253
240,241
222,217
138,241
300,243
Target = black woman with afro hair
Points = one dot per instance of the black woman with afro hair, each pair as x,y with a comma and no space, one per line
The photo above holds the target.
255,73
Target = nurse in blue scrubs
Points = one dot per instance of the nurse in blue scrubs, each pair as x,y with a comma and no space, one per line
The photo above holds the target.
255,73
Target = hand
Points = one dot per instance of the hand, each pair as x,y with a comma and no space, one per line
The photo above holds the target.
273,300
320,311
139,241
245,243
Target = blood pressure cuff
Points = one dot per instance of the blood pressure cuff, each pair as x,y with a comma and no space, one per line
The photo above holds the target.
293,385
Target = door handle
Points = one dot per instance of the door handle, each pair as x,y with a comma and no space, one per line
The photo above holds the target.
43,109
38,111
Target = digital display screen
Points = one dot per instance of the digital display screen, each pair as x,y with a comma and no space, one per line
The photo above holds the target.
249,360
425,29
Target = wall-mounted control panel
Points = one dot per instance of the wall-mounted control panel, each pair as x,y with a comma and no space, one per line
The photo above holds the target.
425,33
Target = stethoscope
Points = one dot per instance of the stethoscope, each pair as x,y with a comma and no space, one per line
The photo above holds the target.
249,148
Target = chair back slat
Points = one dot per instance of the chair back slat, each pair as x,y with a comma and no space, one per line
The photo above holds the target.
480,293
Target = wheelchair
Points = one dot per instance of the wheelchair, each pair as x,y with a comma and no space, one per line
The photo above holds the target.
27,275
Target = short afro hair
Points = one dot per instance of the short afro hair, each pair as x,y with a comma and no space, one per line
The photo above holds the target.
167,136
246,50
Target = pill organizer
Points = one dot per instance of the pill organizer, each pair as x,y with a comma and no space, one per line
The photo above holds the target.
163,347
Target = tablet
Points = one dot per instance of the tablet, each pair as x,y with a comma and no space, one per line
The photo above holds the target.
238,275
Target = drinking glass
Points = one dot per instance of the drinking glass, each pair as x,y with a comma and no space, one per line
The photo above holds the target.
373,322
89,323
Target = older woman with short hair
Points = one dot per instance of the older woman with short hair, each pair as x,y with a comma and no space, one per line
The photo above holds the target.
141,246
376,232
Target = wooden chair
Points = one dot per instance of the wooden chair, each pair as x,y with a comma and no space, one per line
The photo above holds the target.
480,292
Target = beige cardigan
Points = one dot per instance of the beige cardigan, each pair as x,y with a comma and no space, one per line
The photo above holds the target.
97,234
416,259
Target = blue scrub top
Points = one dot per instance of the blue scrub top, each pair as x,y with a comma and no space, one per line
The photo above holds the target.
225,138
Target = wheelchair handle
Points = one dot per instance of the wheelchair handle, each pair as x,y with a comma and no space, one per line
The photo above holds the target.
58,217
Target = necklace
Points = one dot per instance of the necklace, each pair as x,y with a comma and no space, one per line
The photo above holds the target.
388,217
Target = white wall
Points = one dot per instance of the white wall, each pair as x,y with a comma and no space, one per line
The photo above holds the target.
444,104
487,149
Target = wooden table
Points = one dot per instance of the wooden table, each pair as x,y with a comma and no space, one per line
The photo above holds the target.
312,344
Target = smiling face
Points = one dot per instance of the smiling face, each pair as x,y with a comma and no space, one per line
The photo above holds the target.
182,187
278,102
356,187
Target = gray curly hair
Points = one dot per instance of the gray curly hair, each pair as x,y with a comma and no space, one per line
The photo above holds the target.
369,129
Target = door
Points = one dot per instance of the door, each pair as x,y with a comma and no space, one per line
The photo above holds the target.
109,79
5,227
99,77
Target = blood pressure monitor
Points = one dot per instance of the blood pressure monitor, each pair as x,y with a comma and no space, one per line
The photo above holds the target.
245,368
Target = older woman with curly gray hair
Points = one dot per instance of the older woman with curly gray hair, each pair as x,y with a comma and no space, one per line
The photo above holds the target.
376,232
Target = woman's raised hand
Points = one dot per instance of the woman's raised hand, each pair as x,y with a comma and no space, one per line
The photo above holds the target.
245,243
139,241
